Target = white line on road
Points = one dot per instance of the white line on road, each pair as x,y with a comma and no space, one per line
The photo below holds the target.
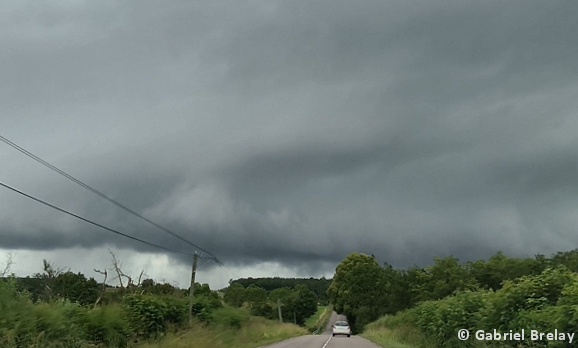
327,342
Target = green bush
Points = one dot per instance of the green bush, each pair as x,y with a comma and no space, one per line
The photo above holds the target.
107,325
65,324
146,315
263,310
177,310
23,324
525,294
544,302
544,319
150,315
229,317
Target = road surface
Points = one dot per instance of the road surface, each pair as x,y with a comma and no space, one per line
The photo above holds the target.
325,340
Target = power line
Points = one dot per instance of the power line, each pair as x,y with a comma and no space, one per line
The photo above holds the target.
229,271
91,222
102,195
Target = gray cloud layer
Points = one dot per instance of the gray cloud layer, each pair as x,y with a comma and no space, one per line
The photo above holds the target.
295,132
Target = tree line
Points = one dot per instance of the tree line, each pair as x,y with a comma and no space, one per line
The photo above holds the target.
297,303
318,286
364,290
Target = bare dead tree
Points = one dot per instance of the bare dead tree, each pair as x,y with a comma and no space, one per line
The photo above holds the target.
120,274
50,274
50,270
7,265
116,265
105,273
140,278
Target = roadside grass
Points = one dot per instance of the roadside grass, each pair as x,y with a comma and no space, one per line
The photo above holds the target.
63,324
397,332
224,332
319,318
314,319
394,332
399,337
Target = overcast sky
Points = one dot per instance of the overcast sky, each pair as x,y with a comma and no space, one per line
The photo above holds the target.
283,135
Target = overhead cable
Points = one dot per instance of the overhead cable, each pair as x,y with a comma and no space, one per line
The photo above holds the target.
91,222
102,195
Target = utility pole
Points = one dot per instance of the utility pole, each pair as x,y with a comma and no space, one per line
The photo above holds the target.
294,319
279,309
192,289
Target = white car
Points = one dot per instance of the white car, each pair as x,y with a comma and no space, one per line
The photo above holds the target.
341,328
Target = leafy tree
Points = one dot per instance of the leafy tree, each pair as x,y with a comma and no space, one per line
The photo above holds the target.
200,290
318,286
499,268
444,278
255,294
147,283
75,287
397,294
235,295
358,289
161,289
569,259
283,294
302,304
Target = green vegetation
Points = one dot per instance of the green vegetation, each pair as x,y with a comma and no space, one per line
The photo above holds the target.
224,332
63,309
425,307
313,322
58,322
58,309
297,304
317,286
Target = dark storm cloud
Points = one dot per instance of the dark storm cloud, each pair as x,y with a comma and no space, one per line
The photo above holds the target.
297,132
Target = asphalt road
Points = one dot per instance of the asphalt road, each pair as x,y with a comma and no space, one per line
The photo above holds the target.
325,340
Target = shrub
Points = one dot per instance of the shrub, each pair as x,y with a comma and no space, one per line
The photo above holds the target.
230,317
146,315
107,325
176,310
525,294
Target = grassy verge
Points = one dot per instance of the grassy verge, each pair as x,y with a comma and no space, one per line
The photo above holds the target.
315,318
243,332
319,319
394,332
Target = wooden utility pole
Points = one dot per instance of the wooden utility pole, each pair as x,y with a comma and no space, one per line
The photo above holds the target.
279,309
192,289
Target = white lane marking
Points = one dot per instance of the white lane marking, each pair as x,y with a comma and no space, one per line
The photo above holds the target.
327,342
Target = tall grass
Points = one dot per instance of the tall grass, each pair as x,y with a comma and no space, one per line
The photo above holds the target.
57,324
144,321
254,332
396,332
312,323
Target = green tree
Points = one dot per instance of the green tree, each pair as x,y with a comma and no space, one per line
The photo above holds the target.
235,295
283,294
161,289
255,294
499,268
302,304
318,286
147,283
569,259
444,278
75,287
358,289
397,295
